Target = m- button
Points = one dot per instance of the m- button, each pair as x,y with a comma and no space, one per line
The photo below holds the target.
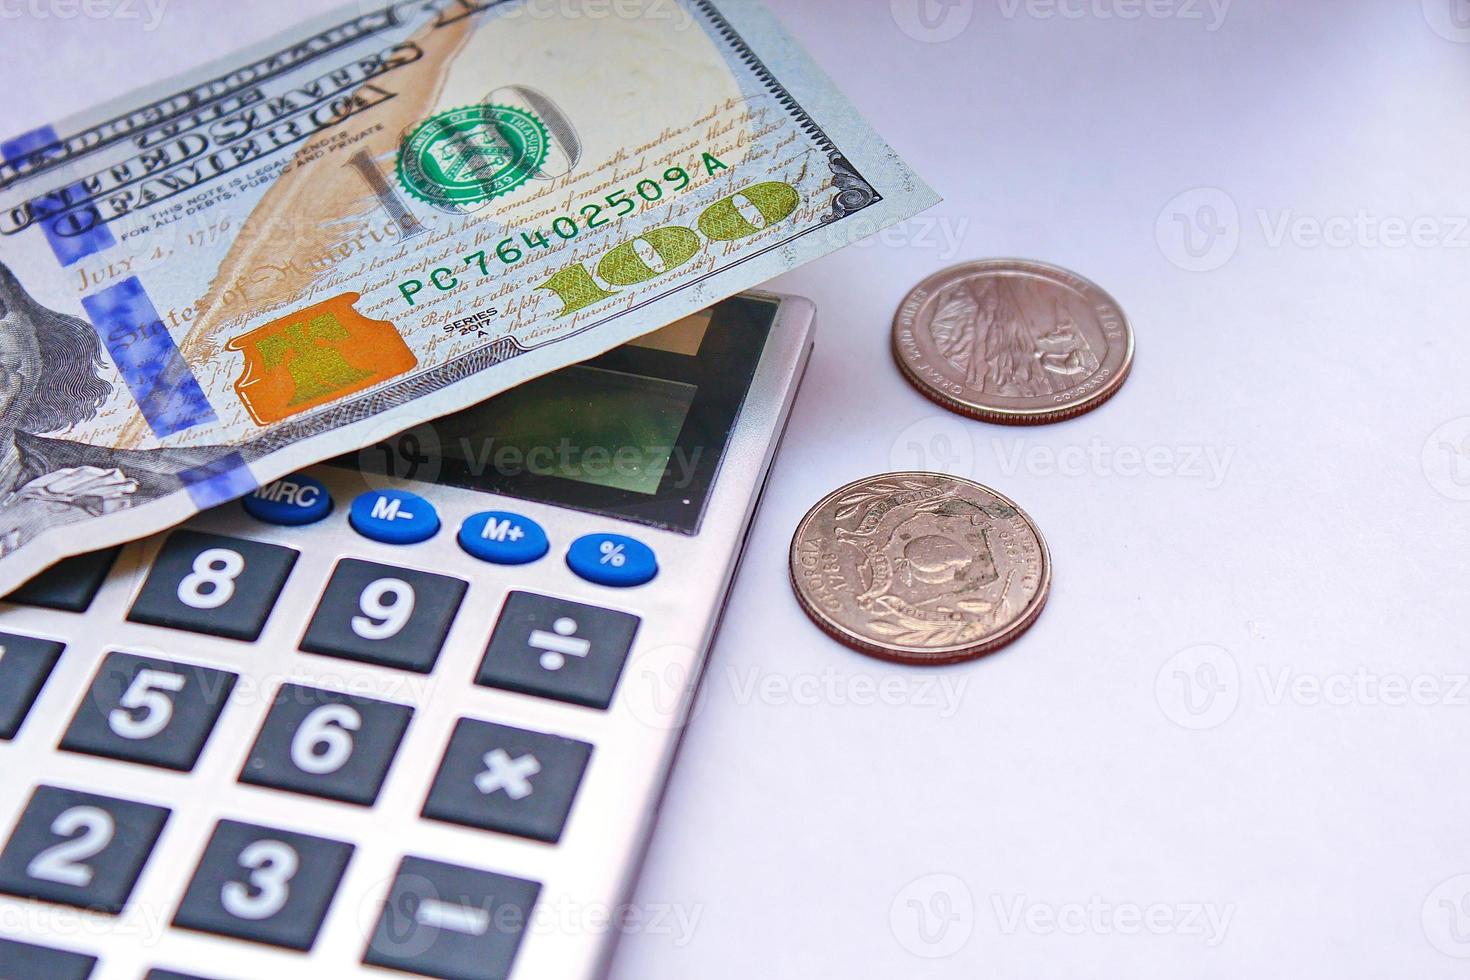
503,538
394,517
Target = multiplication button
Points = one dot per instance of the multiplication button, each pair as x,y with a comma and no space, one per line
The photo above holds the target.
441,920
552,648
504,779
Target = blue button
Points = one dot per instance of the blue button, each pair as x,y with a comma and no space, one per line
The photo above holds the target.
292,501
611,559
394,517
504,539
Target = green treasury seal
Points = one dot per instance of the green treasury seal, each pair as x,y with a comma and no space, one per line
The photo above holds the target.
465,157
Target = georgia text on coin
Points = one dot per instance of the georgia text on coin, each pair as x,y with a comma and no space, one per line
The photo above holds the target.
921,568
1007,340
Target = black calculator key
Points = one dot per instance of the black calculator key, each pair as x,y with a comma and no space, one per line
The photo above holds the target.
79,849
327,744
25,663
157,974
22,961
149,711
393,617
508,780
454,923
552,648
70,585
206,583
265,885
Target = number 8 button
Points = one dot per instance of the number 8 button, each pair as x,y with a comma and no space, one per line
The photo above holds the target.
206,583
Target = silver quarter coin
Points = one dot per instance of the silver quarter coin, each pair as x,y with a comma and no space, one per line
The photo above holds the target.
920,568
1012,341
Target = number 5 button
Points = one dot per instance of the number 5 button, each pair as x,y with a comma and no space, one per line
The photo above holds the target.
393,617
264,885
154,712
206,583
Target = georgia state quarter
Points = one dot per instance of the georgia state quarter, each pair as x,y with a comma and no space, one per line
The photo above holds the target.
920,568
1012,341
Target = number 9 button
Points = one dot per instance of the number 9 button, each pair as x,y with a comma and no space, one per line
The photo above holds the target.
392,617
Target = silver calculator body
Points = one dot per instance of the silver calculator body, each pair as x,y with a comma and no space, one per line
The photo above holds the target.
429,761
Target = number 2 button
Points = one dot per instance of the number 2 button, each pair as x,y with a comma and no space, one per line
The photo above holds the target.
80,849
393,617
149,711
264,885
206,583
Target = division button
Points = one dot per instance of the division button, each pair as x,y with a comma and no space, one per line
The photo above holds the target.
613,560
441,920
503,538
293,501
552,648
394,517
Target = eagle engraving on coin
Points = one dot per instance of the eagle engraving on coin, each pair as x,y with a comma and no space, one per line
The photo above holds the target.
920,568
1012,341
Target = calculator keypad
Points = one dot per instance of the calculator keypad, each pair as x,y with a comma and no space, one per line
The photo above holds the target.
25,663
511,781
264,885
441,920
208,583
379,614
556,649
80,849
149,711
22,961
70,585
327,744
170,975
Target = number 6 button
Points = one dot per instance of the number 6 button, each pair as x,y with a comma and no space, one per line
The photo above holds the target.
206,583
264,885
393,617
153,712
80,849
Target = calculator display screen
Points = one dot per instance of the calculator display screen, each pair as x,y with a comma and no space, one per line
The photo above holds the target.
604,428
636,434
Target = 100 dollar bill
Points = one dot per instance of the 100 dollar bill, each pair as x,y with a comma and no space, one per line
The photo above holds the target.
383,218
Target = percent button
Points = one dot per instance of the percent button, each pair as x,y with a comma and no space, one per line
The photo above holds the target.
613,560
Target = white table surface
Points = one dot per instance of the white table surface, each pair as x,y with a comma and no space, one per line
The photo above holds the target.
1062,809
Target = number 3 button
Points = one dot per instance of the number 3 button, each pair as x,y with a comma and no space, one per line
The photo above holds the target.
264,885
149,711
206,583
392,617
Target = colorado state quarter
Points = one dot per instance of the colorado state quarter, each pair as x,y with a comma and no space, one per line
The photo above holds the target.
1012,341
920,568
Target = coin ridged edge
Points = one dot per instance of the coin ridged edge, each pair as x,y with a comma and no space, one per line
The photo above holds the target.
910,657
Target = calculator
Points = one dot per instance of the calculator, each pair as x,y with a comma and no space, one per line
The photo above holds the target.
407,713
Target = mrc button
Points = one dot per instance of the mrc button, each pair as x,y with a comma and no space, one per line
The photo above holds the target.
613,560
293,501
504,539
394,517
